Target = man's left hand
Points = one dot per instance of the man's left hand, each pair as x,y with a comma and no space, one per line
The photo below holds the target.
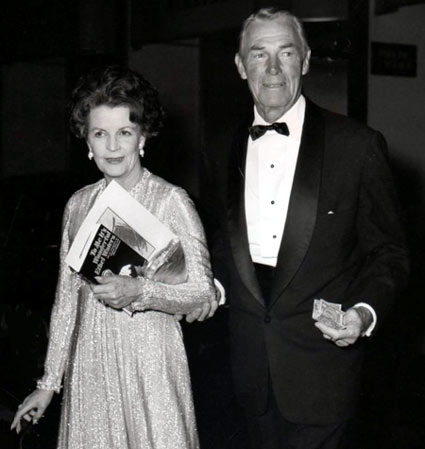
201,313
355,321
208,309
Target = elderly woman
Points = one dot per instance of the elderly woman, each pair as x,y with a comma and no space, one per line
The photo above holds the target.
126,382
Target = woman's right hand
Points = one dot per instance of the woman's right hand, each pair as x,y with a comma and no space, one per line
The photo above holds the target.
32,409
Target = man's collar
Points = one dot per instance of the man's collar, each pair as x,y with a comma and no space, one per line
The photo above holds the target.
294,118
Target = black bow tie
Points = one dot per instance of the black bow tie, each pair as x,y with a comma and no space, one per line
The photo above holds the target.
257,131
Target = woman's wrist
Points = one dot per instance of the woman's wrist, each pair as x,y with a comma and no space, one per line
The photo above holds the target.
48,387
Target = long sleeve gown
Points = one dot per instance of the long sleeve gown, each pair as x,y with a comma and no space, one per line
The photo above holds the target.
126,379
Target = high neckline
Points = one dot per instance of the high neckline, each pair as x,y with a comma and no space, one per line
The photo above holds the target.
140,183
136,187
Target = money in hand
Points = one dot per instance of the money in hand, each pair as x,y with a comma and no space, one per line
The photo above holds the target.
328,313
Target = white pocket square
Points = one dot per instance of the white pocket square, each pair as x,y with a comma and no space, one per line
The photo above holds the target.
331,212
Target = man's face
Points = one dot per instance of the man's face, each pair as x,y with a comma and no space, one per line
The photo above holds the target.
273,61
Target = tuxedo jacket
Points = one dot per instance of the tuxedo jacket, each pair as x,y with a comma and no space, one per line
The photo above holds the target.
342,242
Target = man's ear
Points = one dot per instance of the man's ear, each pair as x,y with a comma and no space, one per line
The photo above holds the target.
240,66
306,62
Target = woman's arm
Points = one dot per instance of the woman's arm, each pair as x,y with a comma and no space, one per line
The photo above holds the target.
63,315
145,294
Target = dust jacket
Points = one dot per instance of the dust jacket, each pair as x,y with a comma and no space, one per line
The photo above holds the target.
120,236
109,254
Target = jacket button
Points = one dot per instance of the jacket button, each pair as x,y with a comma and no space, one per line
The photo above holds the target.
267,319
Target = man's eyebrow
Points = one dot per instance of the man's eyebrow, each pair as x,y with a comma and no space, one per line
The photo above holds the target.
256,47
262,47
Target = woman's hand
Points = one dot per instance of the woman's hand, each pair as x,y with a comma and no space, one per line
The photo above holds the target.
32,409
116,291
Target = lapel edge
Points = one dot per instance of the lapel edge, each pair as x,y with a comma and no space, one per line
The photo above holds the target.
303,205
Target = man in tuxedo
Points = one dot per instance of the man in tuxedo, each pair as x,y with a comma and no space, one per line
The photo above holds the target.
309,211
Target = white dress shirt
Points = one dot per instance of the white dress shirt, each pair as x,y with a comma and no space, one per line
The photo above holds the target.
270,169
269,174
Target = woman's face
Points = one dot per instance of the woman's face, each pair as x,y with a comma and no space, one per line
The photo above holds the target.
115,142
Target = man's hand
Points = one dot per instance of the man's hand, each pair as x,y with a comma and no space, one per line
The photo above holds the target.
356,321
201,313
208,309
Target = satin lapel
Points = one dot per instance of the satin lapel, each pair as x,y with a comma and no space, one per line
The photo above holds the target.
236,215
302,209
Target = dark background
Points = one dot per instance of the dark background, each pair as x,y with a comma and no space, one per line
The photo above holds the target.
186,49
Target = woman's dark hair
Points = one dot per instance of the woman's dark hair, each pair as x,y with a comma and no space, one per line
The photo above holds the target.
116,86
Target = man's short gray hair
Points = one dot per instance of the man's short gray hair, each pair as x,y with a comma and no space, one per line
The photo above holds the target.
272,13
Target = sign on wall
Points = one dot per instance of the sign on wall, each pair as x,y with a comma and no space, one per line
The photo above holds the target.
393,59
387,6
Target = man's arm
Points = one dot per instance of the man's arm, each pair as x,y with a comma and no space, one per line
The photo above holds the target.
381,239
380,233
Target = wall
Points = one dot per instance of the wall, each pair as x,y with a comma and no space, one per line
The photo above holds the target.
173,69
326,83
397,104
33,137
396,107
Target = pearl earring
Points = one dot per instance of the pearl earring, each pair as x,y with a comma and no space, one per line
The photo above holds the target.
141,151
90,155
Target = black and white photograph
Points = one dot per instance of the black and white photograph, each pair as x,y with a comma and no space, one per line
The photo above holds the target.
212,227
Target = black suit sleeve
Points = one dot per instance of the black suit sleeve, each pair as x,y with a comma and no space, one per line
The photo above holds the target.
213,213
385,267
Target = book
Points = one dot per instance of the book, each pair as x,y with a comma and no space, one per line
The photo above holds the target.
120,236
123,215
106,254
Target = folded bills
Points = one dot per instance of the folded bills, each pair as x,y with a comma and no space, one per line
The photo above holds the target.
328,313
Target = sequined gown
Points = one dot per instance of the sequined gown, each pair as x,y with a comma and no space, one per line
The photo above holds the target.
126,379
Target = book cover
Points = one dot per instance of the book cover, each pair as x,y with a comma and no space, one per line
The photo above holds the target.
129,220
108,254
120,236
